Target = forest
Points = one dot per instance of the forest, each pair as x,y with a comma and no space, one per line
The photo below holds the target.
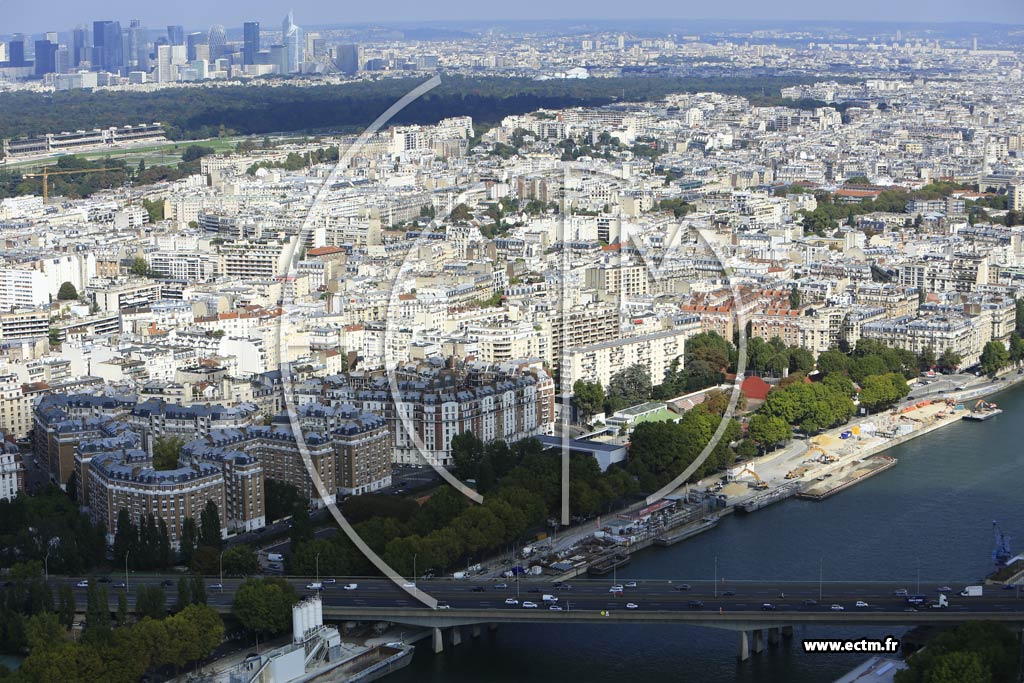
259,109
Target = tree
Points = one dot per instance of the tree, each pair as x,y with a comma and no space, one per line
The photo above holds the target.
264,605
994,357
833,361
184,597
150,601
209,527
189,540
881,391
279,499
66,606
460,214
97,611
194,152
126,538
67,292
240,560
1016,349
302,526
198,592
122,608
949,361
794,297
630,386
467,452
166,452
139,266
53,336
588,396
769,431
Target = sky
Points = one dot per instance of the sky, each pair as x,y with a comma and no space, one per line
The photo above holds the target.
61,15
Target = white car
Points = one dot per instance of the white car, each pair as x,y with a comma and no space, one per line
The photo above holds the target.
217,586
350,586
631,584
511,601
315,586
555,608
632,605
409,584
84,583
861,603
530,605
329,581
615,589
837,608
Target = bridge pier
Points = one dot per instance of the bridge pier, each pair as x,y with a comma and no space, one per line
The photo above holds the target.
773,635
744,652
437,640
758,641
475,631
456,635
787,632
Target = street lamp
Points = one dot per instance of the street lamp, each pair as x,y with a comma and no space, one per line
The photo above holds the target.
415,583
126,554
318,567
716,576
221,571
918,574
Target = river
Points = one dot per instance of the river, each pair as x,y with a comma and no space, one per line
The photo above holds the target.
931,513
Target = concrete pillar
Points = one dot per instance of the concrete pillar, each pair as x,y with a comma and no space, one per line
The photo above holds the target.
744,653
787,632
492,627
456,635
438,641
475,630
758,641
773,635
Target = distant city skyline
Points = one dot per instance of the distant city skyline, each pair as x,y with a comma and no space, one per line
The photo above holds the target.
34,18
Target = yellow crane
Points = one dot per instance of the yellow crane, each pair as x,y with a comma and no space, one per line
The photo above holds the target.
824,457
760,484
46,173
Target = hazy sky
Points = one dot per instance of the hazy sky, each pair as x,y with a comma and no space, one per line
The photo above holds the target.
60,15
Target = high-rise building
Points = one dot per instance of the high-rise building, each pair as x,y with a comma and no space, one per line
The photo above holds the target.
108,51
176,35
46,57
251,46
80,45
348,58
16,50
193,40
137,53
218,41
291,37
164,73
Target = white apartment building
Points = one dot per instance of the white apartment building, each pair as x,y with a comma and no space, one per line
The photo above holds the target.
23,288
599,362
11,473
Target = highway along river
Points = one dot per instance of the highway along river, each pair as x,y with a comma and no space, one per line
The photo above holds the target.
930,516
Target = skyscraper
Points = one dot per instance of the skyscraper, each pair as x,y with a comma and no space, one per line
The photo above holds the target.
291,37
251,47
108,52
16,50
46,57
191,41
79,45
176,35
348,58
218,41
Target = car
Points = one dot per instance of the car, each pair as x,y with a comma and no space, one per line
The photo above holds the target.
218,586
944,589
314,586
767,607
555,608
683,587
695,604
409,584
837,608
443,605
84,583
500,586
104,579
861,603
477,589
900,592
810,602
350,586
615,589
511,601
556,584
530,605
631,584
329,581
729,594
120,584
1008,587
168,582
632,605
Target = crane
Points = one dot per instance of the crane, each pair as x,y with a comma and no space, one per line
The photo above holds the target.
825,457
1001,553
46,173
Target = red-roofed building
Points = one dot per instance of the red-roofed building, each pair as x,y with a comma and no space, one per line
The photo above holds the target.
755,388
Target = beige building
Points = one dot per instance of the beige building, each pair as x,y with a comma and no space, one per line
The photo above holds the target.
599,362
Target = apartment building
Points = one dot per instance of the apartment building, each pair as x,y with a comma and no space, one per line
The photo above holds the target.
12,471
599,362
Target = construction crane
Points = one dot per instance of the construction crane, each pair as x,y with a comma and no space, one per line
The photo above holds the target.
1001,553
46,173
825,457
760,484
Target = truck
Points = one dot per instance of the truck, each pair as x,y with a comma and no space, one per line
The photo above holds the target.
274,557
971,592
916,599
941,603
